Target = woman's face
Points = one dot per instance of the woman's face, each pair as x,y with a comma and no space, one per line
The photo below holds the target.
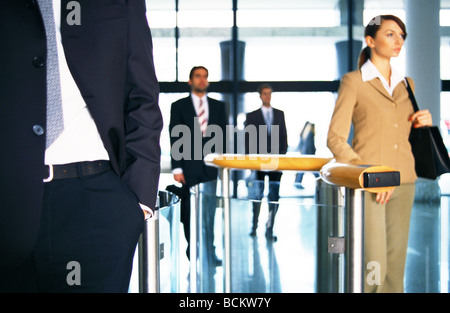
388,41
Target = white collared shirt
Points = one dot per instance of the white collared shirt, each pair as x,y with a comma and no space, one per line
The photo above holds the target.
369,71
80,140
265,109
196,102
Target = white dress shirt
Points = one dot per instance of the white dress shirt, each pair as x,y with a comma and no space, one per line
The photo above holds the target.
196,102
369,71
265,109
80,140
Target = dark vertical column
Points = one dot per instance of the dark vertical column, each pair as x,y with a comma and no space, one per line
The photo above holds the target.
233,70
232,54
348,50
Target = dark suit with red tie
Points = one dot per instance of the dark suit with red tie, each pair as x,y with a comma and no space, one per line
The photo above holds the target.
183,114
195,171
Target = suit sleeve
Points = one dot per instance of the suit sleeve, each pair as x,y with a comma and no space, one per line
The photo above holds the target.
283,135
223,126
341,120
175,119
248,121
143,120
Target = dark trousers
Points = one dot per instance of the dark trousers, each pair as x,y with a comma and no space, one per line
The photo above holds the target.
208,203
185,214
273,196
185,210
88,234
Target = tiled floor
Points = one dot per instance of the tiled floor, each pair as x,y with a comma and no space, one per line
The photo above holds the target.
289,265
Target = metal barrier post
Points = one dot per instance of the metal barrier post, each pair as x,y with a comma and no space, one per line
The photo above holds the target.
330,230
194,236
149,255
225,176
354,241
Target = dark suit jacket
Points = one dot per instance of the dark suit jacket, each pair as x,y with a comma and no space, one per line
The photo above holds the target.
256,118
307,144
110,57
182,114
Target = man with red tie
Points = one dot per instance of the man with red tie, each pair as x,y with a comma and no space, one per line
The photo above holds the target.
200,115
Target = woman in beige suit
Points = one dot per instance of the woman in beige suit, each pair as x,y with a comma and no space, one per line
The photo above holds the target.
375,100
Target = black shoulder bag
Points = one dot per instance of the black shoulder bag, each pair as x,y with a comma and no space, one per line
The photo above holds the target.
428,148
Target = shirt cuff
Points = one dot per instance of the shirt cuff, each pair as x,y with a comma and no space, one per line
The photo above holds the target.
147,211
177,170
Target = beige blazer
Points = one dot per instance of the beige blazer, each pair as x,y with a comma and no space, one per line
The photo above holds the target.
381,125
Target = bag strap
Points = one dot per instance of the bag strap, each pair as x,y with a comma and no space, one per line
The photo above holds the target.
411,96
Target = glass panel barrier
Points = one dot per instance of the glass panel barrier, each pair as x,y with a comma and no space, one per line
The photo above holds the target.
157,258
169,238
259,264
299,261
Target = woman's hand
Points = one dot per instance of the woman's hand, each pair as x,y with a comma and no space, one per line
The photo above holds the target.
421,118
383,197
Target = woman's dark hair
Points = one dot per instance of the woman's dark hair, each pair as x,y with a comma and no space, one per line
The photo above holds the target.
372,29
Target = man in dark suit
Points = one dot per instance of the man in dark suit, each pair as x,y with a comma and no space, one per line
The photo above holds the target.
271,131
72,207
197,123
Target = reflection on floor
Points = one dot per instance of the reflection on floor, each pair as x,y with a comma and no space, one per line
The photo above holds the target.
289,264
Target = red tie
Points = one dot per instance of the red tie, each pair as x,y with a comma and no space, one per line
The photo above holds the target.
202,117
